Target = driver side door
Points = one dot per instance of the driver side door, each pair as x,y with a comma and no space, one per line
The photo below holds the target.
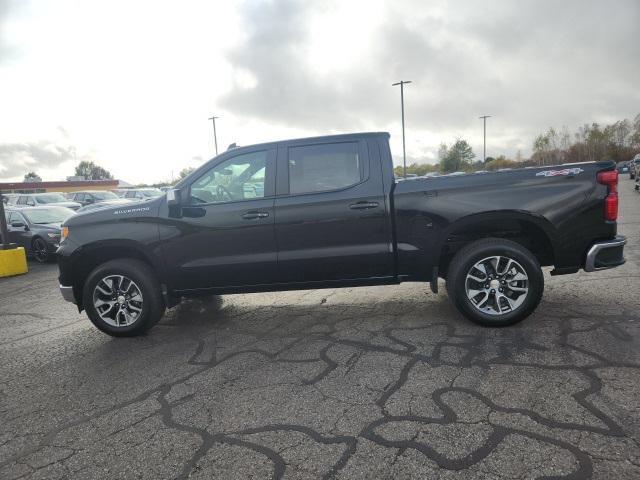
225,235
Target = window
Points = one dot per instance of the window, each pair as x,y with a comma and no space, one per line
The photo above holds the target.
320,168
239,178
130,194
22,200
15,217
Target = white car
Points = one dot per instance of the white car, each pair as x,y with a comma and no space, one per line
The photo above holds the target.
42,199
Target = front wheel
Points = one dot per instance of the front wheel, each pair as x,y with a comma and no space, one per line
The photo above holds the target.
40,250
122,297
495,282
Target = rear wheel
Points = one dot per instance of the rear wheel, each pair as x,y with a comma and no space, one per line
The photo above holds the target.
495,282
122,298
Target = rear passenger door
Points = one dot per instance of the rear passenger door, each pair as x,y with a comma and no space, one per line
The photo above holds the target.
331,215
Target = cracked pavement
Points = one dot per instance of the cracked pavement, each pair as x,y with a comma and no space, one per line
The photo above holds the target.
385,382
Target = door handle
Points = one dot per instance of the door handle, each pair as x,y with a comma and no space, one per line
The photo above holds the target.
254,215
363,205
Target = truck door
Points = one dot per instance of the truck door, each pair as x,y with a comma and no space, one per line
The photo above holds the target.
225,236
331,212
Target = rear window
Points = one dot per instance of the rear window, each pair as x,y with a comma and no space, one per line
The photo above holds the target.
325,167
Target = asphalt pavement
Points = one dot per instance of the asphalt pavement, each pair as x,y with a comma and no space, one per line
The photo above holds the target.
380,382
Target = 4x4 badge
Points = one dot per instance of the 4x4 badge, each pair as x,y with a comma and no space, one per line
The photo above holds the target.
555,173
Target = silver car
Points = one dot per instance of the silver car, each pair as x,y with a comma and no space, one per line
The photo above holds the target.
42,199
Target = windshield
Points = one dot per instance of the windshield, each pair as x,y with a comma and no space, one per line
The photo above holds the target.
50,198
104,195
48,215
151,193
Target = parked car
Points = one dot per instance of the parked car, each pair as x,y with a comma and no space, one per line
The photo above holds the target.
88,197
143,193
119,192
106,203
634,167
50,199
9,198
332,215
37,229
622,167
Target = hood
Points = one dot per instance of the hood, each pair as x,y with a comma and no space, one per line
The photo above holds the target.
71,205
116,212
53,227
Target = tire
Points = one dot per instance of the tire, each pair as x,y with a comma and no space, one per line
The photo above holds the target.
40,250
489,307
130,306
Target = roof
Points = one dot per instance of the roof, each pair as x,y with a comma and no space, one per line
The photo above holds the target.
80,183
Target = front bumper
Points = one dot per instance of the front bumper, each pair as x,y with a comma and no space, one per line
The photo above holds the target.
67,293
605,254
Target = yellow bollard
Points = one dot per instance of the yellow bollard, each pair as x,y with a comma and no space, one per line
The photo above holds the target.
13,262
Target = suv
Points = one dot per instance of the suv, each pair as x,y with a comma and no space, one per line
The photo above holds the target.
49,199
92,196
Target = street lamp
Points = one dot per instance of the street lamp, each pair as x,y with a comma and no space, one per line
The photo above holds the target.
484,150
404,152
215,138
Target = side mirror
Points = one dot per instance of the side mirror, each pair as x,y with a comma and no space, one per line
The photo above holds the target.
17,225
174,197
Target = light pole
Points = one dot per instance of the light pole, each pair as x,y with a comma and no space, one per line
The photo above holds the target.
404,152
215,138
484,149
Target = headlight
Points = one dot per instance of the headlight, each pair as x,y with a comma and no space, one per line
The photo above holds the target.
64,233
52,235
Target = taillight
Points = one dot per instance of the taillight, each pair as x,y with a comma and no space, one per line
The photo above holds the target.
610,179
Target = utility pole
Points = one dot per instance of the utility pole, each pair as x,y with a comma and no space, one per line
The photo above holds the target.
484,150
215,138
404,151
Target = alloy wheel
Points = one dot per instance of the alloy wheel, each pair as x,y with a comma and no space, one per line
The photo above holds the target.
40,250
118,300
497,285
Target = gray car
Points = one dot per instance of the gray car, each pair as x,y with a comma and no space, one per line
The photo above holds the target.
41,199
37,229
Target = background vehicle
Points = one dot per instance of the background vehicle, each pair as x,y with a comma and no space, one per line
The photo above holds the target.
143,193
37,229
330,214
622,167
634,167
88,197
51,199
106,203
9,198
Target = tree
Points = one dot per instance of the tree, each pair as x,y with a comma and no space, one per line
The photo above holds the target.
458,157
91,171
185,171
32,177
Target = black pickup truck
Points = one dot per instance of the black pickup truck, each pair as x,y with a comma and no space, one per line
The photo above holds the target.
327,212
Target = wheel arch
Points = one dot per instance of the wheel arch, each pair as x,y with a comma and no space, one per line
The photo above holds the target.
530,230
86,259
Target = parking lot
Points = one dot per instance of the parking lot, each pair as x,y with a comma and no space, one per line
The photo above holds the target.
386,382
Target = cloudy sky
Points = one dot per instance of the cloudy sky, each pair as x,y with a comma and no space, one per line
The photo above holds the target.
130,84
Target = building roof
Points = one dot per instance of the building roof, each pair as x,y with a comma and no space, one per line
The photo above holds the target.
81,183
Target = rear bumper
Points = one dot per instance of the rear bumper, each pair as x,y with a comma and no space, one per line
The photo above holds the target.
67,293
605,254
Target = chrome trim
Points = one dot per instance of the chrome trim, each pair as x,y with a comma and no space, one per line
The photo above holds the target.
67,293
590,262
